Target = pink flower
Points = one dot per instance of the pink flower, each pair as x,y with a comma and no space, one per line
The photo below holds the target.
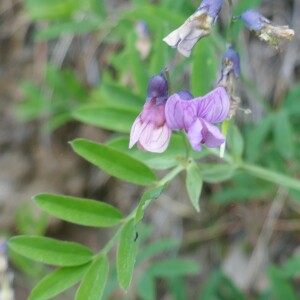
149,130
196,116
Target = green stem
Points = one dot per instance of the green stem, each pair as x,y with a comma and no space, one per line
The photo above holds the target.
170,175
271,176
111,242
186,143
167,75
114,238
228,31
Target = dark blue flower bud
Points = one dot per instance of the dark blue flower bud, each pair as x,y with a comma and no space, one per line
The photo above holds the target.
158,89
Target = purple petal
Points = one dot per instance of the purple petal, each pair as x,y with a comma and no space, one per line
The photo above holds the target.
195,135
212,136
214,106
155,139
180,113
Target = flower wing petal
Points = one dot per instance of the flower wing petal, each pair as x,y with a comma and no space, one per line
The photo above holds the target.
155,139
213,136
195,135
214,106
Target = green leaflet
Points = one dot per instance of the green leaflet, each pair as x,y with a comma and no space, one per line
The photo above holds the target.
57,281
93,283
79,211
114,162
126,254
50,251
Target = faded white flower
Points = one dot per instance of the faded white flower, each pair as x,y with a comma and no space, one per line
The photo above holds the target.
195,27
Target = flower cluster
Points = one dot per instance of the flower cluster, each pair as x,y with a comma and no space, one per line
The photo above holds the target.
161,114
200,23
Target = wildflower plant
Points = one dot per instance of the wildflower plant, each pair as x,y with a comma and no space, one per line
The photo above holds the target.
174,131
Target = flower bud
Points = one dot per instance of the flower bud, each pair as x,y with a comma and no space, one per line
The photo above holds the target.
158,89
264,29
231,62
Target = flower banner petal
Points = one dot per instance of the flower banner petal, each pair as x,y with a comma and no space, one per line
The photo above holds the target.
180,113
214,106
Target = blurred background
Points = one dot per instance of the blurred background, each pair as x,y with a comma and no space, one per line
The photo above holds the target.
60,58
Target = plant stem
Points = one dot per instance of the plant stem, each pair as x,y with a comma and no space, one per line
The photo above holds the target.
228,32
170,175
186,143
167,75
111,242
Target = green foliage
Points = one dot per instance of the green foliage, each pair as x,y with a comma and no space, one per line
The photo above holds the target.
29,221
194,184
79,211
169,269
58,281
62,92
274,177
114,162
126,255
262,156
111,118
281,287
219,286
173,156
235,141
50,251
93,283
66,28
214,173
204,68
146,199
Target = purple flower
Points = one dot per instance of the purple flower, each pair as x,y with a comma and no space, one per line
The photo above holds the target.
195,27
149,130
264,29
196,116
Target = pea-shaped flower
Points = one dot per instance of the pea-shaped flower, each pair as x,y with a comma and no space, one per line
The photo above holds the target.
198,25
197,115
149,130
264,29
